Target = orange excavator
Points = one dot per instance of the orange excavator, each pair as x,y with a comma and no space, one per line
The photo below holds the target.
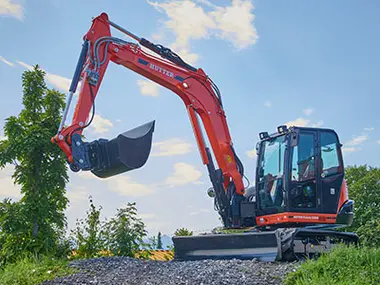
300,194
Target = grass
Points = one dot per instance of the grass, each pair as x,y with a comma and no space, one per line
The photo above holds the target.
343,266
30,271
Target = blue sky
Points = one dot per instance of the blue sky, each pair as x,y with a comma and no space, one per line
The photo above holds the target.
309,63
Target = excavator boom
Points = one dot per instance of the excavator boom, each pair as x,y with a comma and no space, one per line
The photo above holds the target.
198,92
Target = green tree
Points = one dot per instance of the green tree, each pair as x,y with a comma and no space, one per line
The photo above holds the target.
36,222
363,184
89,235
159,241
183,232
125,232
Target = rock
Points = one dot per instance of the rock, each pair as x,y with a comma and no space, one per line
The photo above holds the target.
126,270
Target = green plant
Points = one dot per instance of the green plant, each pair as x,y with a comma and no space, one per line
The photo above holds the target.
364,188
31,270
89,235
125,232
159,241
343,266
35,223
183,232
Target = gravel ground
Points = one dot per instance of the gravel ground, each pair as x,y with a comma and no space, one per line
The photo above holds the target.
128,271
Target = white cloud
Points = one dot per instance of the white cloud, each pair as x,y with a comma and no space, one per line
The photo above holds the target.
6,61
199,212
147,216
59,82
317,124
188,20
87,175
24,64
378,141
8,188
205,2
184,53
369,129
299,122
77,195
170,147
354,144
268,104
308,111
302,122
100,125
7,7
158,36
125,186
148,87
235,23
252,153
183,174
350,149
357,140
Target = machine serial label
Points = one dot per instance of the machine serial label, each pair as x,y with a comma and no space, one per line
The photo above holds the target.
306,217
161,70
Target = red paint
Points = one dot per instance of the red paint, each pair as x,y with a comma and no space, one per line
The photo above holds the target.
295,217
343,195
198,96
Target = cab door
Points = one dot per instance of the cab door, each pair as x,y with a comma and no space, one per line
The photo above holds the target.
304,195
331,171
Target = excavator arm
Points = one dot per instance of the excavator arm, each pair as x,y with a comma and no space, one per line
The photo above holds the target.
199,94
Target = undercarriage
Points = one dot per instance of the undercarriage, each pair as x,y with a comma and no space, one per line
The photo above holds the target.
282,244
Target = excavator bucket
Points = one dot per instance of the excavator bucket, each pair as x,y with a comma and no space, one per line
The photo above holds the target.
128,151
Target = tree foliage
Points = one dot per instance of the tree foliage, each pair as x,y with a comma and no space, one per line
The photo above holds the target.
183,232
125,232
34,223
88,236
364,188
122,235
159,241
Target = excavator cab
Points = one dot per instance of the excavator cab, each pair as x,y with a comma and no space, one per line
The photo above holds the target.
300,178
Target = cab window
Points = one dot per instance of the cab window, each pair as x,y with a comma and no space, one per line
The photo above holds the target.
303,188
329,154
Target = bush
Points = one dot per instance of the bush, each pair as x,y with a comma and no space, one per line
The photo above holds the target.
183,232
344,266
122,235
364,188
30,271
125,232
88,236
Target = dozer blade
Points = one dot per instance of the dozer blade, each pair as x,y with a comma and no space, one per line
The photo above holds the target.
264,246
128,151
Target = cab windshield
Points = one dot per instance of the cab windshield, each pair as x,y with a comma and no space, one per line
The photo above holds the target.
272,159
271,171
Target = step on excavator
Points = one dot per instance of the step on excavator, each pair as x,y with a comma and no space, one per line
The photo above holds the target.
300,196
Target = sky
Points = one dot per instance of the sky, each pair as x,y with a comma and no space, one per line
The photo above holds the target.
305,63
